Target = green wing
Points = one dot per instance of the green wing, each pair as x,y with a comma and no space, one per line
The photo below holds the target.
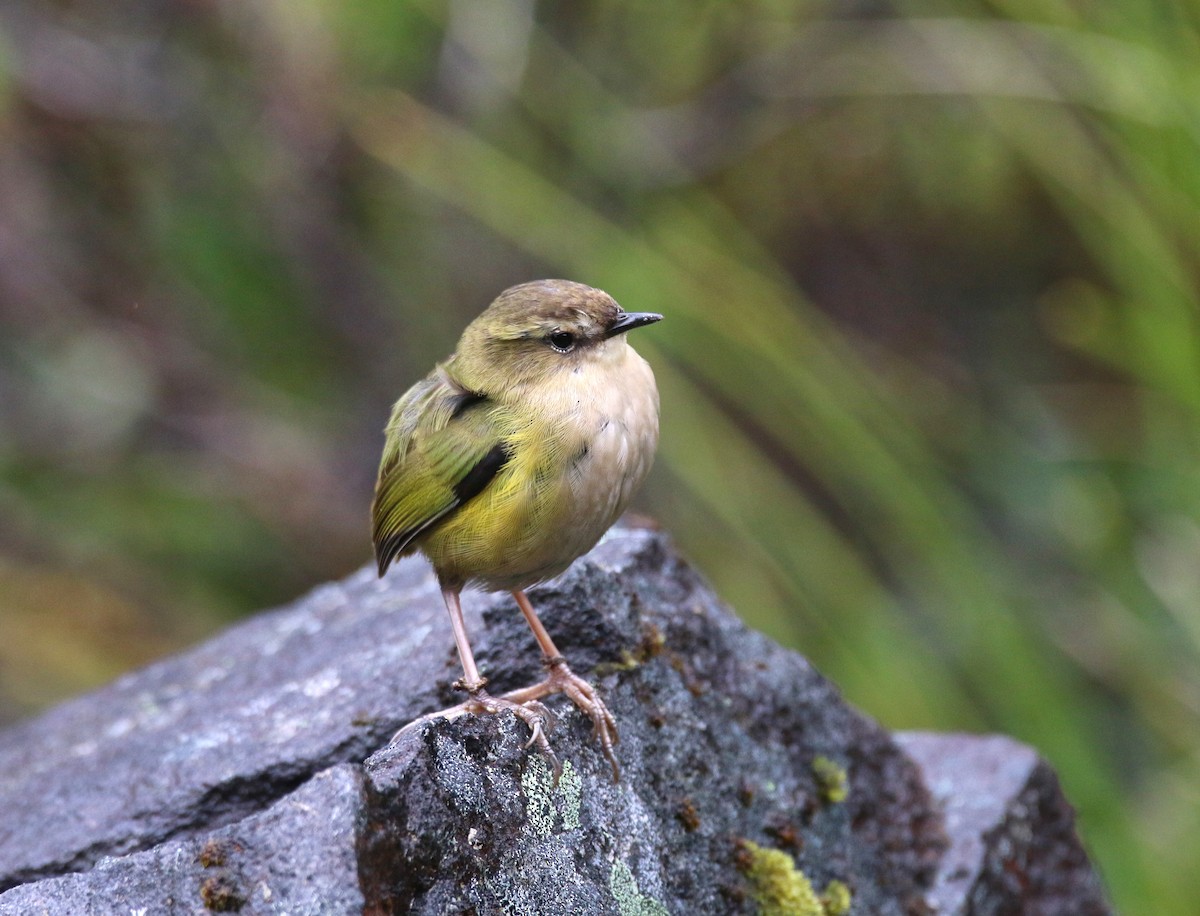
442,449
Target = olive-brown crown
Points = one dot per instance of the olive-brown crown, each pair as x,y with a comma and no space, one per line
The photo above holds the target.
532,331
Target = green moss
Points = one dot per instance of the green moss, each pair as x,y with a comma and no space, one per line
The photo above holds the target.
651,644
778,887
630,900
213,854
836,899
831,779
221,895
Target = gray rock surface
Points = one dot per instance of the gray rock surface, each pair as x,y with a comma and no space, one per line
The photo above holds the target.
295,857
1013,847
254,774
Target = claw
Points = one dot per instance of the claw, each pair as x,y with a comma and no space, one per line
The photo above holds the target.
540,723
535,715
525,705
561,679
535,735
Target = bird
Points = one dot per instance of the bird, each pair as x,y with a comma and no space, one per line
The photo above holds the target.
510,460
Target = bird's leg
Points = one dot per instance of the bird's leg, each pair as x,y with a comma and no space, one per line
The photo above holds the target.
561,679
471,682
530,711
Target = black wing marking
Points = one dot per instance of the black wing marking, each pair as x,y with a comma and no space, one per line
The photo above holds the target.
481,475
466,489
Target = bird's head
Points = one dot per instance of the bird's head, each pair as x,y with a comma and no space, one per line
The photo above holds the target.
533,332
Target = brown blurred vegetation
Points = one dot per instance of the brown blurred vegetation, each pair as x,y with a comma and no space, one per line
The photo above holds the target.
930,368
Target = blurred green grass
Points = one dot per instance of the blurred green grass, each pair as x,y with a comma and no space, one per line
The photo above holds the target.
930,375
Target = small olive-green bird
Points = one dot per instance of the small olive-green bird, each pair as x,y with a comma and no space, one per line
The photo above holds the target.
511,459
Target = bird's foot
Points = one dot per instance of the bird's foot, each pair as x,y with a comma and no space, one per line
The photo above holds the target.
534,714
539,719
561,679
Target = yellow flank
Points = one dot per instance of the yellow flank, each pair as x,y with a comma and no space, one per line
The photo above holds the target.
499,530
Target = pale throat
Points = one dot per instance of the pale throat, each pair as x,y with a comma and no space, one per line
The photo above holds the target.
598,389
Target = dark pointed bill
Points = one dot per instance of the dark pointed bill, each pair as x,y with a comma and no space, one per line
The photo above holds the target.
627,321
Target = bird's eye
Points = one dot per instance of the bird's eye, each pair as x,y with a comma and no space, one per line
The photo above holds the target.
562,341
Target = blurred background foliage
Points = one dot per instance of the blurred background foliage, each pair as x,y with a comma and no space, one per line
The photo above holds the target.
930,374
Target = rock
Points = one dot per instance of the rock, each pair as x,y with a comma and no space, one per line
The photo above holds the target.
297,856
254,774
1013,847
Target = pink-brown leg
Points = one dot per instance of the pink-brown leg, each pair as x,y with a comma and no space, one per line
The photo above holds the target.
471,681
561,679
530,711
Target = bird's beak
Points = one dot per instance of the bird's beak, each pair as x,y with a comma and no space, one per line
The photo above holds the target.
627,321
